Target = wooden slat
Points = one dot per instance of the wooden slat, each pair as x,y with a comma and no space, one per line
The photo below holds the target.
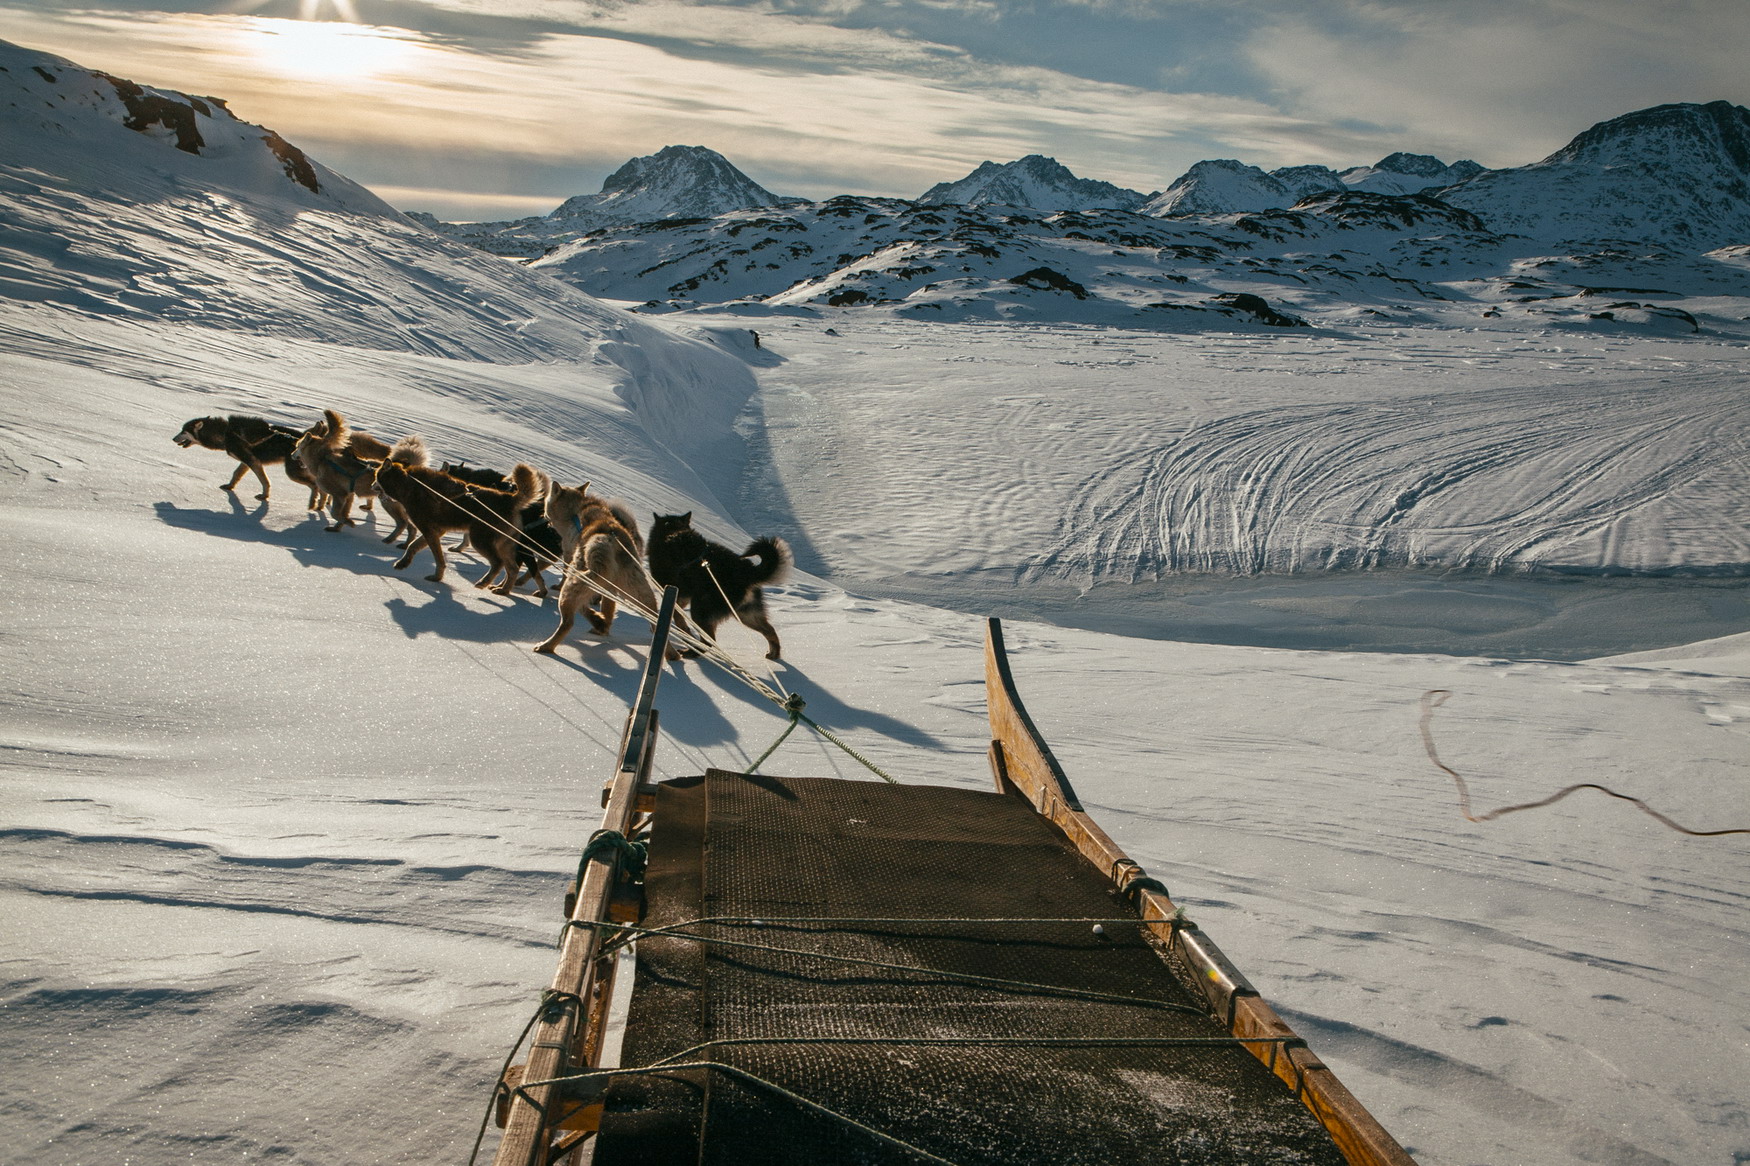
1023,764
563,1034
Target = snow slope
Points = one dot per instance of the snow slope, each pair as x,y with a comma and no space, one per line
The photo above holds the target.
284,832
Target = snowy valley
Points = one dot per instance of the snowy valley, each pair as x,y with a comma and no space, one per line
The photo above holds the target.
285,831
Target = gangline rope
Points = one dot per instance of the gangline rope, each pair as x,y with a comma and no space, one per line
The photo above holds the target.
702,646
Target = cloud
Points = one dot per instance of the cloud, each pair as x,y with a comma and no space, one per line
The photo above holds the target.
1503,81
805,108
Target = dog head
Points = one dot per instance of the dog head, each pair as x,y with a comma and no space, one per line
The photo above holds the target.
564,506
207,431
666,526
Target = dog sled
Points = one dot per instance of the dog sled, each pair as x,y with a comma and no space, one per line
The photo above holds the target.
835,971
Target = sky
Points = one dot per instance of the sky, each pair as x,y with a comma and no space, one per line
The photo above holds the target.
489,109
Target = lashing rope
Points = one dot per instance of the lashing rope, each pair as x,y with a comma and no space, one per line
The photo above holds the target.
1434,698
631,932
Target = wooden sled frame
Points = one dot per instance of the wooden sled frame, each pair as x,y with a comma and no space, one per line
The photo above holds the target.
545,1123
1022,764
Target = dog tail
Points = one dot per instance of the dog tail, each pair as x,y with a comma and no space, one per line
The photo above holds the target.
525,480
410,451
627,519
774,557
335,434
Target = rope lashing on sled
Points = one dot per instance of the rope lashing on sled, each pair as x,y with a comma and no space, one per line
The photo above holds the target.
674,1064
1435,697
630,933
548,997
632,854
743,1074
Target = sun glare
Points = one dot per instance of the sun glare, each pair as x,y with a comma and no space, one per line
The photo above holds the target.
328,49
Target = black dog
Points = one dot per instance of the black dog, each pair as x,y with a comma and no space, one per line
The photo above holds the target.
537,547
714,581
254,441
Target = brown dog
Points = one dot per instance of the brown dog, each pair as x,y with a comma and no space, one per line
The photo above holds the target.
603,562
342,463
437,504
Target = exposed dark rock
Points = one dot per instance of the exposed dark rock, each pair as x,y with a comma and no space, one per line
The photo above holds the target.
1259,309
146,110
1044,278
298,167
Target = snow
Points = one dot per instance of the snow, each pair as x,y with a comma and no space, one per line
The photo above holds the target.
286,832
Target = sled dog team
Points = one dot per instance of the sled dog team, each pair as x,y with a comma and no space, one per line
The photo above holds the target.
521,524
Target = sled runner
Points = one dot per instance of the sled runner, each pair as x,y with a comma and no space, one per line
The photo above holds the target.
834,971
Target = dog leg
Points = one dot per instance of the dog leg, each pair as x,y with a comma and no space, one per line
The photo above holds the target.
242,468
504,553
412,549
339,509
602,620
260,472
435,543
574,595
756,619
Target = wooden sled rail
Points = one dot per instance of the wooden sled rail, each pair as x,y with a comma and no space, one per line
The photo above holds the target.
1023,764
541,1125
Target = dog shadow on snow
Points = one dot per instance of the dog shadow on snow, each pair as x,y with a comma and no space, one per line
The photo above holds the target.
821,705
689,696
358,549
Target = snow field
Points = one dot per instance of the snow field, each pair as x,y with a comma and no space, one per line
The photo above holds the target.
289,830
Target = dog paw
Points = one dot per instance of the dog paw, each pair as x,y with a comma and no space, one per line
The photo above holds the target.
434,578
547,649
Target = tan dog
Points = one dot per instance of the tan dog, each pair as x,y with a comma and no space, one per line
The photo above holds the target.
436,504
342,463
604,561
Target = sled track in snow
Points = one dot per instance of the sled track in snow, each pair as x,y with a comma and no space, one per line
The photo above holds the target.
1494,480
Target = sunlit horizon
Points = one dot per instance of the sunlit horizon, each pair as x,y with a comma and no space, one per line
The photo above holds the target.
319,49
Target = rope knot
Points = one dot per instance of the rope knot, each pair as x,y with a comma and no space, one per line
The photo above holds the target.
795,704
632,855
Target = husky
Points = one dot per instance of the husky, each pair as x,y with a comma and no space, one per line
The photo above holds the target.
603,561
715,582
342,464
254,441
436,504
537,548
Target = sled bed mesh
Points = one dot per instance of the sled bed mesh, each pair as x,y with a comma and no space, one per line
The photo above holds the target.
772,848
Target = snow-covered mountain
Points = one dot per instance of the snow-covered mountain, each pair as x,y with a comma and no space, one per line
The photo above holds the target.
89,125
1224,185
1035,182
1221,185
676,182
1403,173
1675,174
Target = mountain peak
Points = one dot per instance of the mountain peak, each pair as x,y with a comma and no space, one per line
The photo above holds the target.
1034,181
675,182
1674,173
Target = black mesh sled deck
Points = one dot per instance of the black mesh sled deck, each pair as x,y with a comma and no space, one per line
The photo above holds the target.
844,956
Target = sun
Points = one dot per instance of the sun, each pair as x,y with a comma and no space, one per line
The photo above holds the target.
321,50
